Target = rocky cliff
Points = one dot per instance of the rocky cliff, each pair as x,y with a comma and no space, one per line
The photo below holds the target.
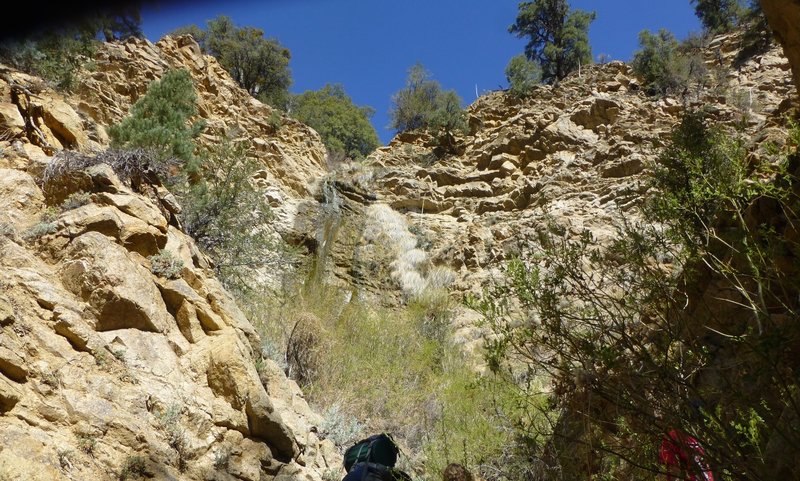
783,17
570,157
110,367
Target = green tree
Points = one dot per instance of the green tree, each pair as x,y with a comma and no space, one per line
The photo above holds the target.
718,16
558,37
259,65
522,75
344,126
228,216
160,120
667,66
423,104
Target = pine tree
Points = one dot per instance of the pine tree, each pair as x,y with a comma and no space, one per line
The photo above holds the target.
423,104
718,16
558,36
258,64
160,119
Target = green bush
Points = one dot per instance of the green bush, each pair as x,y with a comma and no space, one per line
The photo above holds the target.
160,120
667,67
166,264
522,75
228,216
344,127
423,105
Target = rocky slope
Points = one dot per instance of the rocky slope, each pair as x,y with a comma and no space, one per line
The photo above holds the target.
108,370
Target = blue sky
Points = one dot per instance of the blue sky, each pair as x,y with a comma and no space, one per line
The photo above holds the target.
368,45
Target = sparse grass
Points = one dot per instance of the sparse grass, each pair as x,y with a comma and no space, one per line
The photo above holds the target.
169,423
134,467
75,200
87,443
65,458
166,264
46,225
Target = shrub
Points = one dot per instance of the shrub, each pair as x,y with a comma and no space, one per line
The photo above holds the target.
229,217
667,66
344,126
46,225
160,120
522,75
75,200
87,443
55,58
633,347
423,104
341,428
8,231
166,264
134,467
136,166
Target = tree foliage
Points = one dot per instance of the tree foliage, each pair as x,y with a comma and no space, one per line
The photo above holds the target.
259,65
558,37
718,16
229,217
344,126
667,66
160,120
422,104
522,75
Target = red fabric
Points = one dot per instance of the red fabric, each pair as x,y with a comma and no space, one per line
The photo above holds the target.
683,453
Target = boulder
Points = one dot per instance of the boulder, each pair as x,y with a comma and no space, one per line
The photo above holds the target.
120,290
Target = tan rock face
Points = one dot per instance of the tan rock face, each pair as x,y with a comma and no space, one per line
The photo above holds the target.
784,17
101,361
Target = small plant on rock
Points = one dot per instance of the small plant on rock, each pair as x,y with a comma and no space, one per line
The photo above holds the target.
46,225
7,231
134,467
166,264
87,443
75,200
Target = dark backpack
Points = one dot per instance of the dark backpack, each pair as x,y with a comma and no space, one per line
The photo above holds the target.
375,472
380,449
